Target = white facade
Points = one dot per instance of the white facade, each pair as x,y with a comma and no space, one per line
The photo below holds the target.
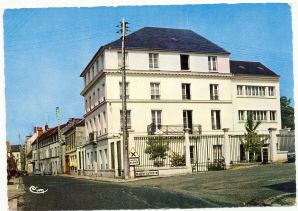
159,88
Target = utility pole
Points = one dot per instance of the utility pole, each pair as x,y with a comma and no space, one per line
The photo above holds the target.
123,30
38,154
59,137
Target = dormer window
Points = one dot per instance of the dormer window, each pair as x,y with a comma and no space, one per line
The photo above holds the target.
212,63
120,59
153,60
184,59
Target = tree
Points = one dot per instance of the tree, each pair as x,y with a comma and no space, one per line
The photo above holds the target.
252,142
157,147
287,113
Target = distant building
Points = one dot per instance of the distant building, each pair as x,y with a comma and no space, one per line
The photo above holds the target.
174,77
30,163
48,151
74,138
16,151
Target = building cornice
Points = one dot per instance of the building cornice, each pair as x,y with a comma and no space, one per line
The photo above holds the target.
256,78
99,75
94,108
170,73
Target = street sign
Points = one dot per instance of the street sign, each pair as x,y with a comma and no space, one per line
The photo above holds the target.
134,161
147,173
8,161
133,153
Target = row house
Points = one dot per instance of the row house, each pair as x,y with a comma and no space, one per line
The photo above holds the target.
173,77
74,138
48,152
18,156
29,161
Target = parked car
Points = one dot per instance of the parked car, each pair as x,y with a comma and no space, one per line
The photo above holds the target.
37,172
47,172
291,154
23,173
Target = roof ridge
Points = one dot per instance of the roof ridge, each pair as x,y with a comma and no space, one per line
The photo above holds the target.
245,61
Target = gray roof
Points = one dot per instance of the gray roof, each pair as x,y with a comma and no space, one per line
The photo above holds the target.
250,68
15,148
155,38
166,39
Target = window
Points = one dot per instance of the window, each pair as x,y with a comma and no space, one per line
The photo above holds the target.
155,91
239,90
127,90
102,61
255,91
156,118
212,63
92,72
90,102
213,91
93,99
271,91
98,95
215,119
272,115
153,60
86,105
186,91
103,92
184,62
128,119
97,66
217,152
241,115
187,120
120,59
258,115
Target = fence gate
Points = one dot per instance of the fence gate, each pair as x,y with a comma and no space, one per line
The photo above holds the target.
206,153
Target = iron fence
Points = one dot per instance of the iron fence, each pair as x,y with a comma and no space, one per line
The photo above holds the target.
285,141
169,151
206,151
173,129
237,149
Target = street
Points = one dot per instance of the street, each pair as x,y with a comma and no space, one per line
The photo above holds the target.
230,188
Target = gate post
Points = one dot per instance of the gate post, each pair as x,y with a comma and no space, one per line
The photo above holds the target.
226,148
187,151
131,144
272,144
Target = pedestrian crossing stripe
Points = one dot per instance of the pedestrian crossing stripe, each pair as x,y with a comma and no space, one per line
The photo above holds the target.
133,153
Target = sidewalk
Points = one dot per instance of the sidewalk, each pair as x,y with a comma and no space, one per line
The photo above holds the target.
116,180
14,192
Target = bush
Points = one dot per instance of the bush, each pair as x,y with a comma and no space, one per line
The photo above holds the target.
177,159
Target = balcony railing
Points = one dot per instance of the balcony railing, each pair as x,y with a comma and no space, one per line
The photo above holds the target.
173,129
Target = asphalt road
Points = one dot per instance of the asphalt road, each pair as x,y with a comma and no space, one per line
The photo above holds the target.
231,188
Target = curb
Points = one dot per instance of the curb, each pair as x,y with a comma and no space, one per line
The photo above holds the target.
268,202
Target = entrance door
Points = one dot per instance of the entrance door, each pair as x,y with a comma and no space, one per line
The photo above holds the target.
265,155
187,120
119,157
67,164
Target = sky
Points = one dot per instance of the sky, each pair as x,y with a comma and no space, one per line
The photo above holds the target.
46,49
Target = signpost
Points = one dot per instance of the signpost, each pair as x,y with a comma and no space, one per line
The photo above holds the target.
134,159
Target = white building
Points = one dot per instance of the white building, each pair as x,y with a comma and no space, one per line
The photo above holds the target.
174,77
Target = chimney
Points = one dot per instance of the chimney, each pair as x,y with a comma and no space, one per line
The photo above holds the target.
39,129
46,127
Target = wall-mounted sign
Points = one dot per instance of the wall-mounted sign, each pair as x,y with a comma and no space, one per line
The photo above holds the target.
147,173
